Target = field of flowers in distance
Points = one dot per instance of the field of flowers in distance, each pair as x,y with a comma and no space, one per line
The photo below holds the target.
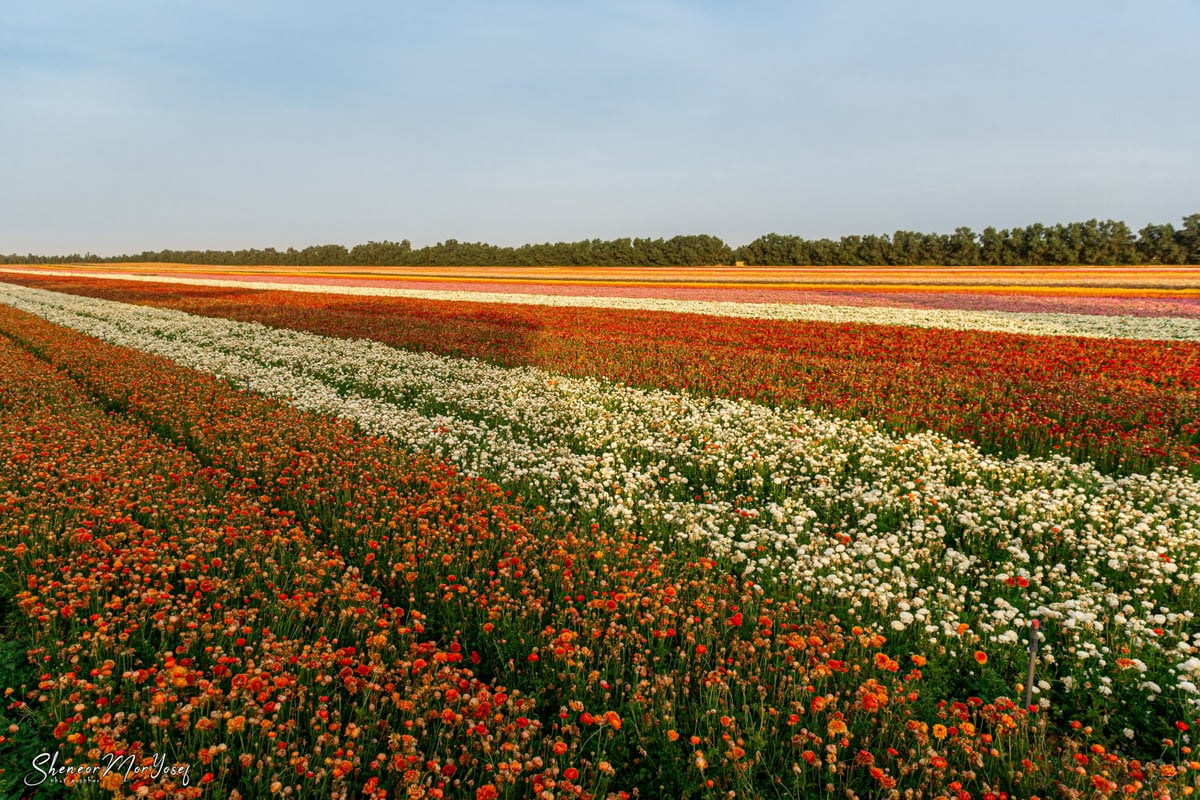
330,535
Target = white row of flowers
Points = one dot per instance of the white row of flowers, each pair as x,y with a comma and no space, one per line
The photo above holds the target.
1033,323
918,533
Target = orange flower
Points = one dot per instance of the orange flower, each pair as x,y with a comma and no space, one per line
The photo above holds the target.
981,657
885,662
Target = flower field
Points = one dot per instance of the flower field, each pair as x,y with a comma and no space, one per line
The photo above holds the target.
877,310
323,545
1121,405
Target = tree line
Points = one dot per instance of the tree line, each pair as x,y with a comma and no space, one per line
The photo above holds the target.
1093,242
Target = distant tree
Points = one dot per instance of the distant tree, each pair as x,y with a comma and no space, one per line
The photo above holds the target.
380,253
848,253
1013,250
934,247
819,252
1158,244
1087,242
906,248
1036,245
963,248
769,249
701,250
875,249
1120,246
1058,245
991,247
1188,238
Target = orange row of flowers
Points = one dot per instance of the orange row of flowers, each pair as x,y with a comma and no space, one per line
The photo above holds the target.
1124,405
273,602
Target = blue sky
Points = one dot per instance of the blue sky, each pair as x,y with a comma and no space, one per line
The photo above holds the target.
145,125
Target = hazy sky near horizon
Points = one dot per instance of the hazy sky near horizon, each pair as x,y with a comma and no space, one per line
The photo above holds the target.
227,124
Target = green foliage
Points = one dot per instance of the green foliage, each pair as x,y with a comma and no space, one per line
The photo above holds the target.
1093,242
25,736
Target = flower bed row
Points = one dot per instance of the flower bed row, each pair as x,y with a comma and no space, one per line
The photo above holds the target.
1122,405
950,552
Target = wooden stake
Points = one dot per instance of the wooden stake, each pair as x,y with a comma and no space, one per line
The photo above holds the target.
1033,648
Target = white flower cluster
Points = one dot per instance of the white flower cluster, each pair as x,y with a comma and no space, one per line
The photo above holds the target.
1035,323
918,533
